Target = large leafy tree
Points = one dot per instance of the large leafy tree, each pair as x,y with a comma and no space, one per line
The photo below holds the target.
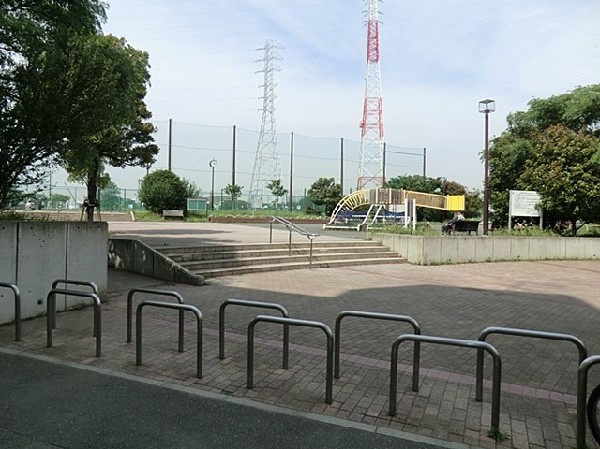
325,192
552,148
33,112
565,170
106,83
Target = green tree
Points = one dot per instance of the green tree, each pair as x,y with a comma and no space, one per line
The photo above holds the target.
106,81
325,192
565,170
162,190
234,191
33,112
110,197
191,189
277,190
542,130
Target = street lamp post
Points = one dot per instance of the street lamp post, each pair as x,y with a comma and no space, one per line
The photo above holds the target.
485,107
212,164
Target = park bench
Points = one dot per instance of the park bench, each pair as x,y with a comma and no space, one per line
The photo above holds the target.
172,213
465,226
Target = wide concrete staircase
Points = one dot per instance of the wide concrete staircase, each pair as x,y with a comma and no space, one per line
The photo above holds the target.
224,260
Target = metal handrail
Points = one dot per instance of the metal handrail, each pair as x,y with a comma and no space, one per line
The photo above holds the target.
168,305
17,295
521,333
260,305
292,227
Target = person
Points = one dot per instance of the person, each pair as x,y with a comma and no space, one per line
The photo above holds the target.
449,227
29,205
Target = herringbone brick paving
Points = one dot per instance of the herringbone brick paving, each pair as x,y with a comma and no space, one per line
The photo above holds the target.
539,377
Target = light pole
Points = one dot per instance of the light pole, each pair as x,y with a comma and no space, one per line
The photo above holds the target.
485,107
212,164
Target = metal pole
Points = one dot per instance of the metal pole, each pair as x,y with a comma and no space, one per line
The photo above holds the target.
212,165
291,170
383,172
486,190
342,164
233,158
170,136
424,162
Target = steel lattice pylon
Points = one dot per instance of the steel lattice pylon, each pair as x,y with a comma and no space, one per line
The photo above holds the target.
266,164
370,170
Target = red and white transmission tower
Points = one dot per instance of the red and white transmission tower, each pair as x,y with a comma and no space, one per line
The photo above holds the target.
370,170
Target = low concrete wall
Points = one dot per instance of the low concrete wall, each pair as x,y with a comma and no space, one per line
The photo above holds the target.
137,257
34,254
464,249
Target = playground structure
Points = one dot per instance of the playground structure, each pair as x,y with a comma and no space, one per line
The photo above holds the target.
387,205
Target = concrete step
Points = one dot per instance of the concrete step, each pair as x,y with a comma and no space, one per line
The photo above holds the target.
296,266
237,254
201,265
224,260
169,250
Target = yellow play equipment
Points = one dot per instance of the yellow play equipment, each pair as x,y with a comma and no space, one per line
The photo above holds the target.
391,205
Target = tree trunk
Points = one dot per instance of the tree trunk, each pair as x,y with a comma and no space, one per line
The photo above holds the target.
92,189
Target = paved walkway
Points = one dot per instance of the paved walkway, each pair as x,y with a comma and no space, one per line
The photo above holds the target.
458,301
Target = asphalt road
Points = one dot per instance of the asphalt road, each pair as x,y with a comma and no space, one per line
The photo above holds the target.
44,404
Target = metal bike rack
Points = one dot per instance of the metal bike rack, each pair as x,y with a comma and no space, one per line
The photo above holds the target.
17,295
261,305
51,317
68,282
497,379
168,305
582,378
291,322
378,316
520,333
155,292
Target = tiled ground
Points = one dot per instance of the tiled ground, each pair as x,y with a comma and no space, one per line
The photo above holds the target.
539,377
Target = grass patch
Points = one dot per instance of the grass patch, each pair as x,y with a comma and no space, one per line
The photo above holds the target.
497,434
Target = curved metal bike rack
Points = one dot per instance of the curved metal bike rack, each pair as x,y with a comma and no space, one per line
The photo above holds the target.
495,424
67,282
17,295
291,322
168,305
582,378
151,291
520,333
260,305
378,316
51,315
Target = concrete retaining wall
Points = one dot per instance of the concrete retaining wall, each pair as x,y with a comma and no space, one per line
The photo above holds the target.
34,254
137,257
464,249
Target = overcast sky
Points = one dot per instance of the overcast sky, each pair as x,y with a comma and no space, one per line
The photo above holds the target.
438,59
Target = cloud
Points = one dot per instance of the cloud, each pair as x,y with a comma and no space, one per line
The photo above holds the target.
439,58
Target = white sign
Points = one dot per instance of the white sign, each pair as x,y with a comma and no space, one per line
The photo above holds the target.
524,203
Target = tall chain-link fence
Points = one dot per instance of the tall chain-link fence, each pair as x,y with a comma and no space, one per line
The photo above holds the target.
187,149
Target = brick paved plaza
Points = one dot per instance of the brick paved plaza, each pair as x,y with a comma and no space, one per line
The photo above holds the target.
458,301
